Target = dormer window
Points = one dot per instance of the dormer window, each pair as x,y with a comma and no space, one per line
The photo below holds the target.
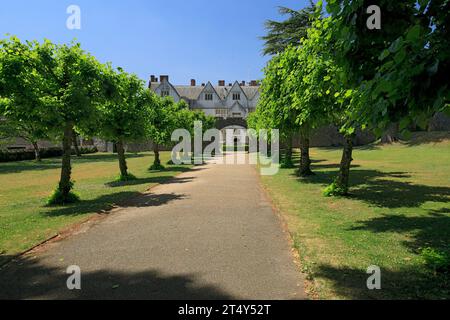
236,96
165,93
208,96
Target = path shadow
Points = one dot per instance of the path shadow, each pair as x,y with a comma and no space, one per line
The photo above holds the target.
404,283
28,278
432,230
151,180
390,193
17,167
55,163
383,189
107,202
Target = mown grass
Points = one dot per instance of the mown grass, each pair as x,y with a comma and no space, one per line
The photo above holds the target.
399,204
25,220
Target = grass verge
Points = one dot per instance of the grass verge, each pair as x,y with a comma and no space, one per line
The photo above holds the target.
398,209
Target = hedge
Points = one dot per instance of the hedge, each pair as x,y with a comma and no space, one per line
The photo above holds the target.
22,155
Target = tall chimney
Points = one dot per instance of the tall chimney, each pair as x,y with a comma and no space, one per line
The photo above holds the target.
152,78
243,83
253,83
164,78
193,83
221,83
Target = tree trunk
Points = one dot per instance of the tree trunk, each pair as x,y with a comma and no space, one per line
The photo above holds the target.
75,143
305,161
342,181
122,161
287,156
65,184
37,151
157,162
392,134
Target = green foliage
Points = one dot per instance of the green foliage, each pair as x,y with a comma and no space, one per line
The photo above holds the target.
156,167
438,261
282,34
287,163
53,88
126,112
164,120
125,178
399,73
58,198
334,190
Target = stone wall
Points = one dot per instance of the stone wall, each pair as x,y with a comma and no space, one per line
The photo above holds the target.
440,122
329,136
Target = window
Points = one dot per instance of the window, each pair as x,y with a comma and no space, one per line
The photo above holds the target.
208,96
236,96
165,93
237,115
221,113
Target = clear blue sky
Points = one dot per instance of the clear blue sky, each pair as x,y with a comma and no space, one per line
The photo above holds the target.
201,39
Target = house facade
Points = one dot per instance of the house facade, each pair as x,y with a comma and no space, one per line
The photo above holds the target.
232,100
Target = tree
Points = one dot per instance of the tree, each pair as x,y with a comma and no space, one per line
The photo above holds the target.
30,131
399,74
75,143
281,35
274,109
59,86
163,122
21,109
125,115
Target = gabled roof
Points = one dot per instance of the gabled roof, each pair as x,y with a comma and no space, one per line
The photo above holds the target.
155,86
189,92
194,92
236,84
209,85
250,91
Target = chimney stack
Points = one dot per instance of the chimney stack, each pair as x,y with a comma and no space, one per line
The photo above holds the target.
193,83
254,83
153,78
221,83
243,84
164,78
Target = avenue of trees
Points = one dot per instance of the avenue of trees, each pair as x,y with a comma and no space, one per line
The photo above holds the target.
57,92
344,73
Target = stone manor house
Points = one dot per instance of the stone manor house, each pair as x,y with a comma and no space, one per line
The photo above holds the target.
224,101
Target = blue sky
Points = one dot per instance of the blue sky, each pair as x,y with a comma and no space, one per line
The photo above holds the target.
205,40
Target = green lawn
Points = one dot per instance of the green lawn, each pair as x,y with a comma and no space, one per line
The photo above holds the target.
400,203
25,186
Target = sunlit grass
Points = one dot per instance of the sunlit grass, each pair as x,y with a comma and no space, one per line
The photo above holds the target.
25,220
399,204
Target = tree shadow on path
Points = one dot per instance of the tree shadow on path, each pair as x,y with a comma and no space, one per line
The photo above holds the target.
28,278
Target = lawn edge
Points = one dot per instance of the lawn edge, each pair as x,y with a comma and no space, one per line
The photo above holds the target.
85,224
309,285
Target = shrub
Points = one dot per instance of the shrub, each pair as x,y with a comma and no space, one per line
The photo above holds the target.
57,198
128,177
22,155
333,190
156,167
436,260
287,164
